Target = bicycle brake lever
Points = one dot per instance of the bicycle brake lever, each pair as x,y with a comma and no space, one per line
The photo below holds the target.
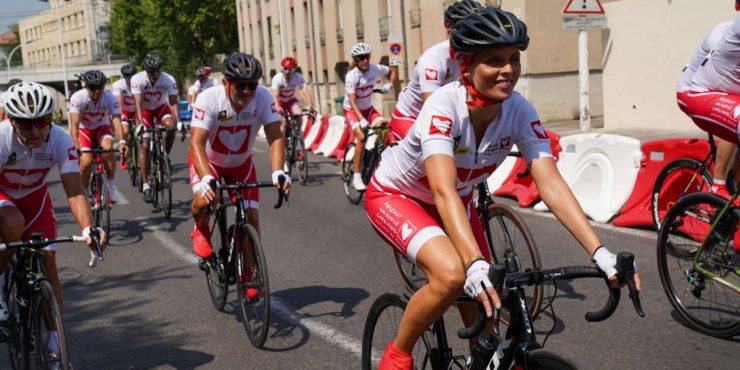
626,274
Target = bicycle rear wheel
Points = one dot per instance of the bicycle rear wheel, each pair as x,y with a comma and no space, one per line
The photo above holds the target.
301,157
381,327
216,271
252,285
348,173
51,349
697,278
19,332
677,179
542,359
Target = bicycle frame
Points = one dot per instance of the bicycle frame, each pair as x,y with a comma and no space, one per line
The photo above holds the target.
484,200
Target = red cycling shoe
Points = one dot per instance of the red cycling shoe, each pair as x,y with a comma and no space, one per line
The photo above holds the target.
394,359
201,243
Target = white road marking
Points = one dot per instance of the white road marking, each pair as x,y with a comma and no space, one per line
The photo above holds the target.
122,200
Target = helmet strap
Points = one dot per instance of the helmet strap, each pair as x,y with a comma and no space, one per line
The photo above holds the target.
478,98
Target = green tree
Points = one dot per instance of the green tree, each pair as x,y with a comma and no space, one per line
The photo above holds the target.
7,48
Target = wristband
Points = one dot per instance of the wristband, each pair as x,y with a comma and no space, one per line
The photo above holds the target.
122,142
475,259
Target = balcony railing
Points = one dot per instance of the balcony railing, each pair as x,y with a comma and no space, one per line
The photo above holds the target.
322,38
340,35
415,15
360,31
308,41
384,25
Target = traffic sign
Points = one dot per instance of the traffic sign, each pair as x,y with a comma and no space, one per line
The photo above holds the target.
395,50
583,22
575,7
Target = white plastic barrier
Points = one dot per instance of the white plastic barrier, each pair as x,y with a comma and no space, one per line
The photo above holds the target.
502,172
337,131
601,170
304,122
315,129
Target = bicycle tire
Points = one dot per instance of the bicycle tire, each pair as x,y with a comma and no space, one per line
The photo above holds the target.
255,310
688,289
94,200
674,181
302,164
353,195
47,315
413,276
105,203
19,341
381,327
216,274
153,175
165,184
542,359
132,160
511,238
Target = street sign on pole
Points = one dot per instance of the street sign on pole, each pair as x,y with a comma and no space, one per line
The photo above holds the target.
583,7
395,50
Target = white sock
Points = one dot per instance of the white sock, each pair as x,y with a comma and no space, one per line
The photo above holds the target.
145,186
719,182
357,176
53,344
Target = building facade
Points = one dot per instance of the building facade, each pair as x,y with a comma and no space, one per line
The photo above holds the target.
84,31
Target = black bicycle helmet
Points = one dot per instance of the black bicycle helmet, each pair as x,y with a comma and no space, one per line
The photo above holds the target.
14,81
94,79
491,27
152,62
241,66
128,70
458,10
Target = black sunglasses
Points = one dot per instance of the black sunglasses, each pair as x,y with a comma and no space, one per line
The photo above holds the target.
363,57
241,85
28,123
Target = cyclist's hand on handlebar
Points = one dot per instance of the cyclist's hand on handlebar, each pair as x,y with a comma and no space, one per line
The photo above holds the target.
102,238
275,180
123,148
478,286
607,262
205,190
388,87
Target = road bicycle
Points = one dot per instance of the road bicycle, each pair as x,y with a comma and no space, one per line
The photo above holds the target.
680,177
239,260
160,168
295,147
99,196
132,156
698,264
35,314
519,348
375,144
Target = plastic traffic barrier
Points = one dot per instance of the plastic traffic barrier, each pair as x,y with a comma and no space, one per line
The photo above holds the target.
601,170
502,172
306,125
318,130
637,211
333,135
347,137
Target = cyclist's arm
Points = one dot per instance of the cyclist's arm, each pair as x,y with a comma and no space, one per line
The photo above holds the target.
139,110
118,127
353,104
74,126
393,77
78,203
119,99
198,140
275,93
276,139
174,108
425,96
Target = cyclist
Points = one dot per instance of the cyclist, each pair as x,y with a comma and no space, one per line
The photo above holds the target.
358,100
11,82
30,145
419,200
436,67
90,110
122,91
223,130
202,82
284,85
155,97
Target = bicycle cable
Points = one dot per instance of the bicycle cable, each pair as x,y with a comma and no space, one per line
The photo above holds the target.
552,311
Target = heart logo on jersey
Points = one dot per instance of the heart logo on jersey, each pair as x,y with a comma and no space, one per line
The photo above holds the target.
406,230
232,139
93,116
128,100
364,92
431,74
23,178
72,154
153,95
199,114
538,129
440,126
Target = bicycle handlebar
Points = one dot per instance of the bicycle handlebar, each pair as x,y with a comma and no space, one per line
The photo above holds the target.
252,185
39,243
97,151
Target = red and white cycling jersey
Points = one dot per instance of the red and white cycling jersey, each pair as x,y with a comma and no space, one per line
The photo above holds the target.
122,89
197,87
434,69
702,52
153,95
443,127
94,114
362,83
23,170
231,134
721,71
287,89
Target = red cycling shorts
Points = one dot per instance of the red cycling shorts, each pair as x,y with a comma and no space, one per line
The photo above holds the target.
407,223
159,114
37,211
400,125
246,172
717,113
91,139
128,116
288,105
370,114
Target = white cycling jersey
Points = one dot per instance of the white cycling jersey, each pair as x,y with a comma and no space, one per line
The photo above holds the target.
197,87
23,170
443,127
92,114
721,71
707,45
287,89
434,69
230,134
153,95
122,89
362,83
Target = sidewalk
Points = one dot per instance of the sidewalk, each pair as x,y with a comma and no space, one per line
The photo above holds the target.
572,127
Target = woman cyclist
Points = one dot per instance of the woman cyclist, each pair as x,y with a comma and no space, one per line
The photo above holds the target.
358,100
419,200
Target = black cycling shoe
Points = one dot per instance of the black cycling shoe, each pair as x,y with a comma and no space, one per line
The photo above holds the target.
148,196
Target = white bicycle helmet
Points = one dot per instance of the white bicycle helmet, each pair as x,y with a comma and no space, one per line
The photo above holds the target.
361,49
28,100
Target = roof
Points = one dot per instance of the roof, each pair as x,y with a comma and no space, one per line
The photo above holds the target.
9,37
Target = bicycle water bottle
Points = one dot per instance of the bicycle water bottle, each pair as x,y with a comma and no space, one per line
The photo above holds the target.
482,352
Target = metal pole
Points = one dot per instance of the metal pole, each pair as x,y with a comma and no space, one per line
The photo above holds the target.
282,37
10,57
583,80
315,59
64,65
405,44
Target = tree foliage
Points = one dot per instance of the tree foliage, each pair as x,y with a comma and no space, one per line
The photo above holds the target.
186,33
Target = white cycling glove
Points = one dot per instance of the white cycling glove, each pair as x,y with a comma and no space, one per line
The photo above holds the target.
203,186
276,174
179,125
138,130
87,229
607,261
387,88
363,123
477,278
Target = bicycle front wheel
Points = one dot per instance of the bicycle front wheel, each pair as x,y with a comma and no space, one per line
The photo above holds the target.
701,280
50,341
512,242
216,271
19,333
301,157
165,184
252,285
677,179
381,327
103,203
132,160
542,359
348,173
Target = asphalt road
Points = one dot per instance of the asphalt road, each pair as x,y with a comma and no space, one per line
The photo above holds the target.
147,306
